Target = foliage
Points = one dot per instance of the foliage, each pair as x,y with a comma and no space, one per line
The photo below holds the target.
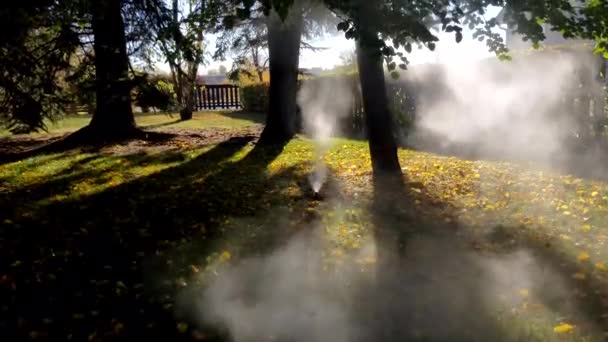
246,38
398,25
244,73
254,97
35,48
595,25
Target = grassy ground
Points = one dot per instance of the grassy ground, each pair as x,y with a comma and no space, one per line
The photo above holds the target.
106,246
165,120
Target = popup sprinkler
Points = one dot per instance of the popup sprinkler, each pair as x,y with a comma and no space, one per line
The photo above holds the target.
317,178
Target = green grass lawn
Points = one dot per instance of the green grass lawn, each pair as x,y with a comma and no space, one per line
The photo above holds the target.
164,120
104,246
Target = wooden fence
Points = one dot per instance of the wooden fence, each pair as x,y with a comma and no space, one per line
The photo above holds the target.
217,96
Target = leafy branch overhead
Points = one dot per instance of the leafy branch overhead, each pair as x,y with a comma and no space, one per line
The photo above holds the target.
399,24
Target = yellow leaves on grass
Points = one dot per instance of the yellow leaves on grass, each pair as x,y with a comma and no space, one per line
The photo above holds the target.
524,292
563,328
601,267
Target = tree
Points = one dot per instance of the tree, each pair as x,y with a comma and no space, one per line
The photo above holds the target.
248,42
286,23
80,24
284,38
113,115
348,61
179,37
247,38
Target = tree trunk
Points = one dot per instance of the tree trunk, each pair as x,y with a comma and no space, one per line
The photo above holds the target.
188,105
382,146
284,53
113,116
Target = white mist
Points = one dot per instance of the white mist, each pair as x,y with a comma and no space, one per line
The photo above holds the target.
324,103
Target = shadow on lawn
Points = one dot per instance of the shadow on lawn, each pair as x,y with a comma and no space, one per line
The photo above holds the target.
105,266
62,182
258,118
108,266
163,124
432,285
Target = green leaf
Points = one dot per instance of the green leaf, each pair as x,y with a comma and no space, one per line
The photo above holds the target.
504,56
408,47
395,75
343,26
350,34
458,37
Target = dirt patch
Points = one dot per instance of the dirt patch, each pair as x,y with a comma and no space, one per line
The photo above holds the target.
20,143
182,138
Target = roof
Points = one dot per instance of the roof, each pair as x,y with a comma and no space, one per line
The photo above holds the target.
211,79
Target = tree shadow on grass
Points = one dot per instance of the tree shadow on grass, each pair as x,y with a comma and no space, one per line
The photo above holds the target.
432,283
94,169
105,265
258,118
86,138
159,125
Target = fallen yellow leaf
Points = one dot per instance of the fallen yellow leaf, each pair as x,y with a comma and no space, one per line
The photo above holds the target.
225,256
182,327
367,260
579,276
583,256
563,328
593,194
601,267
524,292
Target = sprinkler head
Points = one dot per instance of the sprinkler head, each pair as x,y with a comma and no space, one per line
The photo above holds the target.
317,196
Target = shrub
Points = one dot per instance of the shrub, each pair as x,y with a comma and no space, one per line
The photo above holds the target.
254,97
155,93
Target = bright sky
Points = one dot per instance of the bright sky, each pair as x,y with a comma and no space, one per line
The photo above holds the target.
446,52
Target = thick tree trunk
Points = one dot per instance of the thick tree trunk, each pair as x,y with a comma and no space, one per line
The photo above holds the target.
113,116
284,52
382,146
